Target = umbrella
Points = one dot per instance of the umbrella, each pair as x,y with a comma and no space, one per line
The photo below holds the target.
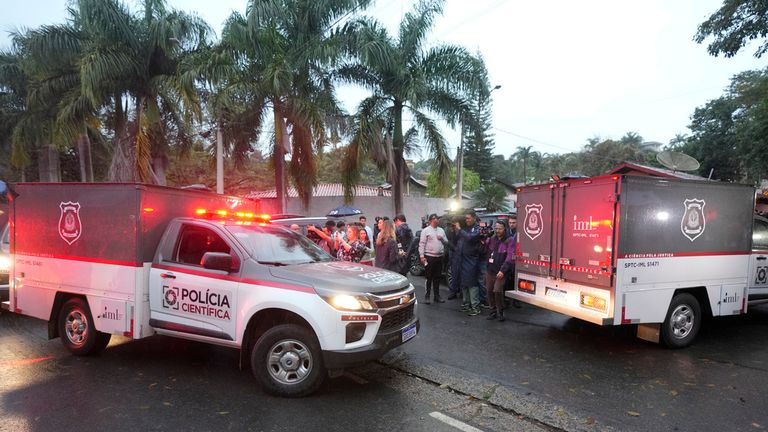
344,210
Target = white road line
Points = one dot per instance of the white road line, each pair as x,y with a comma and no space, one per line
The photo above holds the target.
453,422
355,378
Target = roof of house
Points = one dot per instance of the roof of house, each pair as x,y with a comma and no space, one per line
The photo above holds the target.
324,190
635,168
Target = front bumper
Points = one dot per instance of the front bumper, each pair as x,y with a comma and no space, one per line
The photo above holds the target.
382,343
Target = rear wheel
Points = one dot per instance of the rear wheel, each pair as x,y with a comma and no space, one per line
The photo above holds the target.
288,362
683,321
77,331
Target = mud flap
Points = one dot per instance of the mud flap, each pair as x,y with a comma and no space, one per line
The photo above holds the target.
649,332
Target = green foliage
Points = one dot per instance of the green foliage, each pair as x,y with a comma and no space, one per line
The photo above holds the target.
730,134
470,183
735,24
491,196
408,74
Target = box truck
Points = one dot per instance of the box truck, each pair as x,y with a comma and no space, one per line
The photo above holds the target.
660,253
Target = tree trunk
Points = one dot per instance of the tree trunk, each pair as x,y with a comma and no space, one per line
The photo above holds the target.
279,158
159,165
49,164
397,150
84,153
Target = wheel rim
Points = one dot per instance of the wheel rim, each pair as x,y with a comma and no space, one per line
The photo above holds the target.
682,321
76,327
289,361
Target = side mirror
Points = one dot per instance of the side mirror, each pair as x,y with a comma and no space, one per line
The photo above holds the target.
218,261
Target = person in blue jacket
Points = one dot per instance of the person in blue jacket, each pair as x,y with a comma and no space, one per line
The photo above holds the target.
468,248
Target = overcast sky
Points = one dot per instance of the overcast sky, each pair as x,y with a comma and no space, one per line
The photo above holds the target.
569,70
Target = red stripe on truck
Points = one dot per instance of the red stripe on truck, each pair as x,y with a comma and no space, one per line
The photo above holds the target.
682,254
271,284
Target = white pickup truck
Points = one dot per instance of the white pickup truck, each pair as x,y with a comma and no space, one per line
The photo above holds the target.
136,260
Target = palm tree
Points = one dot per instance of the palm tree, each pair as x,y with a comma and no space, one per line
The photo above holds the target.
404,77
524,154
280,54
491,196
128,61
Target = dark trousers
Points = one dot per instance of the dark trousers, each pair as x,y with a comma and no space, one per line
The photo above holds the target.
433,272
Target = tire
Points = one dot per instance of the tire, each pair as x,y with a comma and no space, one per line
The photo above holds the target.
77,331
288,362
416,267
448,275
683,321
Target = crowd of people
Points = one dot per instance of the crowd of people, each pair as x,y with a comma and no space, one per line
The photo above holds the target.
481,259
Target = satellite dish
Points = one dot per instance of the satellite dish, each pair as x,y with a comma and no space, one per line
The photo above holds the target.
677,161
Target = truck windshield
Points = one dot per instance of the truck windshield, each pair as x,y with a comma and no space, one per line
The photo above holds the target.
278,246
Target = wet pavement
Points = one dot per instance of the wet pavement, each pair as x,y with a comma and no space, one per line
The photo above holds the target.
537,371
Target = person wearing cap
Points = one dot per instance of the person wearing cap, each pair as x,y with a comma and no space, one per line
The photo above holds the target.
431,250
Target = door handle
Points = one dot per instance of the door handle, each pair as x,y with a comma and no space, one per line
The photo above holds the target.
167,275
761,258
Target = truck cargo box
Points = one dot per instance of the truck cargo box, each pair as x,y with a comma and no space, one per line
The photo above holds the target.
615,249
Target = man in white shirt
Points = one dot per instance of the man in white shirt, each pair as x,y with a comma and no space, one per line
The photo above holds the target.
431,250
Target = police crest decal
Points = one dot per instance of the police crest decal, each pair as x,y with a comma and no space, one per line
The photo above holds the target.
70,227
693,223
533,225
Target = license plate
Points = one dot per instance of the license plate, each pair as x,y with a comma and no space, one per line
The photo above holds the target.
409,332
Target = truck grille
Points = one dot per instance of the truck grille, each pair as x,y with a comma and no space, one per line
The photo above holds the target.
397,318
384,304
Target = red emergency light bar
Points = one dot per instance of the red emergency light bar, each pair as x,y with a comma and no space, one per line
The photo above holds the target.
225,215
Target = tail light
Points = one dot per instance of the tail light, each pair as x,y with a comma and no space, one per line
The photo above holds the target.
526,286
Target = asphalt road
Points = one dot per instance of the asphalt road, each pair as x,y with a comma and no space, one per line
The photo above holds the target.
162,383
537,371
578,376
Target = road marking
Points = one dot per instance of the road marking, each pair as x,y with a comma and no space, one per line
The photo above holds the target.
453,422
355,378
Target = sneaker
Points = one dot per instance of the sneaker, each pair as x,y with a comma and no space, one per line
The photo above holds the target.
439,300
452,296
484,306
492,316
501,318
465,308
427,301
473,312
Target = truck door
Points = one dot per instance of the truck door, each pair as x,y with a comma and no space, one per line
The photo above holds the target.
534,234
757,278
185,296
586,233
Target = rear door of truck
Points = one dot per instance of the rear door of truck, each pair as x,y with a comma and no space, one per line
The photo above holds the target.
566,242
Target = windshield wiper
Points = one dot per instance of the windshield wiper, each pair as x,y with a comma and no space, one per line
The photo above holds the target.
273,263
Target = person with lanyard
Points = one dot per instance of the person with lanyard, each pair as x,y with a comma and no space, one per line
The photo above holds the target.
501,263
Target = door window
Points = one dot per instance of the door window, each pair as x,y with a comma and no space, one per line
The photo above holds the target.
195,241
760,235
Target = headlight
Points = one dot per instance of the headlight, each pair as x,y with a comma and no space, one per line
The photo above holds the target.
5,264
351,303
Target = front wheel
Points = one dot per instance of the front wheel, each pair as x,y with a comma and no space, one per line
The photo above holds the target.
683,321
77,331
416,267
288,362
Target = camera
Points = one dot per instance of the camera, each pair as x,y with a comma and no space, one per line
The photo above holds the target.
485,230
